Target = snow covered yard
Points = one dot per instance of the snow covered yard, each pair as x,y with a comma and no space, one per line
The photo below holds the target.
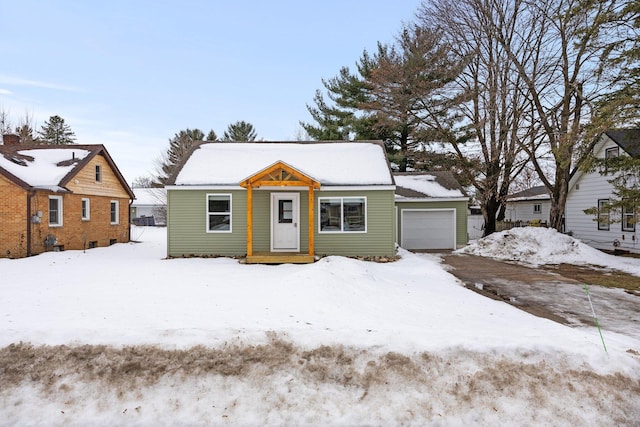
121,336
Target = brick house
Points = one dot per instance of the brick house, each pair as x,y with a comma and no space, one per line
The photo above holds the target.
60,197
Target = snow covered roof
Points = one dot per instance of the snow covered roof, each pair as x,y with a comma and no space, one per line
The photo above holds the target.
539,192
149,197
439,184
49,167
330,163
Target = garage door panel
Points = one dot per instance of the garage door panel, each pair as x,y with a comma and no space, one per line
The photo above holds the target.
428,229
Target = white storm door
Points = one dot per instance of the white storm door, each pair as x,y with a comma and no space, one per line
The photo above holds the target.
285,222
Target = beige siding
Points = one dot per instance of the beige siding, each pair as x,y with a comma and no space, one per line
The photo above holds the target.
85,180
461,215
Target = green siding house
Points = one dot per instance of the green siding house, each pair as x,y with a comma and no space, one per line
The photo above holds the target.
282,201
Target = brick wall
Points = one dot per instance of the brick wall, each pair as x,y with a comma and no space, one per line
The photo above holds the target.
13,220
76,233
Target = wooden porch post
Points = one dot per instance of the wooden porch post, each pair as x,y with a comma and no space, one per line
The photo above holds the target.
311,236
249,220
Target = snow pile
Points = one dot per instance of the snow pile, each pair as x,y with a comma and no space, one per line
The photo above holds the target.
119,335
540,246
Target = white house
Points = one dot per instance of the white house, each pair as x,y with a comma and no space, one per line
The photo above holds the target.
591,189
532,204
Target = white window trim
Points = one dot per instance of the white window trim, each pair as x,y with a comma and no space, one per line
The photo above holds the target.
98,173
626,214
60,212
539,208
206,207
607,226
117,212
87,217
342,231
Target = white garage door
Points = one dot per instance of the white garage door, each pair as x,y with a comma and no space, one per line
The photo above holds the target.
428,229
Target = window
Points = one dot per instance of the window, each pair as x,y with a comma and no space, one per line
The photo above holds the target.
343,214
98,173
285,211
537,208
55,211
603,214
86,209
628,218
115,208
219,213
611,152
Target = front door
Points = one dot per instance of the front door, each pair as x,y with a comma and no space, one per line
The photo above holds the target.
285,219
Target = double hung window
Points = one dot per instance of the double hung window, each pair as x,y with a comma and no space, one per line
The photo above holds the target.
219,213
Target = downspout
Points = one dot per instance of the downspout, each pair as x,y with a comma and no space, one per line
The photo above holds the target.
129,216
30,194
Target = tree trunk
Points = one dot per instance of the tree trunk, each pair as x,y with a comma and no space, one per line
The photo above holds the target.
489,212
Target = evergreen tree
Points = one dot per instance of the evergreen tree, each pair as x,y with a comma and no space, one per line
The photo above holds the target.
240,131
181,143
211,136
56,132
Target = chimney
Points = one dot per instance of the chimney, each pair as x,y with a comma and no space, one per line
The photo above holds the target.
10,139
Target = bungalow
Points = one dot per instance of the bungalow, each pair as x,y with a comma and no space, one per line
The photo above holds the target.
60,197
431,211
591,189
528,206
282,201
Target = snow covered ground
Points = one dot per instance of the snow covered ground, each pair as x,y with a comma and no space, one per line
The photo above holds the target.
122,336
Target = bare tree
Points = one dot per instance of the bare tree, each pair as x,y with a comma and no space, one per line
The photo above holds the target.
489,105
555,46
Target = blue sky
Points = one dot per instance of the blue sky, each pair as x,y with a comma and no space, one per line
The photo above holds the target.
130,74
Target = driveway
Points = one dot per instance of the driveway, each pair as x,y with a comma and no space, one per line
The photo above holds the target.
545,293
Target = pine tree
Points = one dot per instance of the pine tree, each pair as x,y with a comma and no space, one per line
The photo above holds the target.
56,132
211,136
240,131
179,146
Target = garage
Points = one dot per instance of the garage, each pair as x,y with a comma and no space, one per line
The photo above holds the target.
428,229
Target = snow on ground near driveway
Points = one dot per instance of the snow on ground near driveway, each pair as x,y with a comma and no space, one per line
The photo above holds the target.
539,246
403,342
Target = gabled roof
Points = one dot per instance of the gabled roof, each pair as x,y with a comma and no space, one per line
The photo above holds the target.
436,184
51,167
627,139
539,192
329,163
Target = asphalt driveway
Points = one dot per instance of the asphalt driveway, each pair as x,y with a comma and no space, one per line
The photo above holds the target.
548,294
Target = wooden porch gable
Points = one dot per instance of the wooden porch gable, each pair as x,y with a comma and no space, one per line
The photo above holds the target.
279,174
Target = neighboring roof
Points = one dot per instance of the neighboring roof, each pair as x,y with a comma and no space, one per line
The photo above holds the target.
50,167
150,197
437,184
539,192
627,139
330,163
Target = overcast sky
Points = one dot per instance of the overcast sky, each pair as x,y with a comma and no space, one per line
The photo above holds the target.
130,74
